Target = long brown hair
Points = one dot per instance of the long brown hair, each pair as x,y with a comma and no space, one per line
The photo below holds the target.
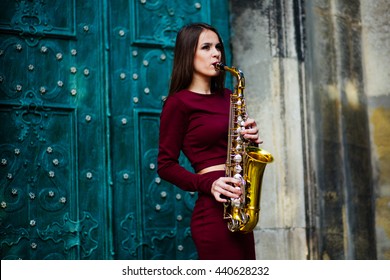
184,53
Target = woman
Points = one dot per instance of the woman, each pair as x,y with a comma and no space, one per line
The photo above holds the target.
195,120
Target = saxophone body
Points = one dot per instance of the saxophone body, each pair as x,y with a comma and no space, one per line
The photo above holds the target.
244,162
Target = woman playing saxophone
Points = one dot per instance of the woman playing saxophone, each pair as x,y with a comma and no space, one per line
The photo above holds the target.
195,120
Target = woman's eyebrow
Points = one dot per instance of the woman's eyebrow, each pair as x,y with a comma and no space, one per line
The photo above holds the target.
210,44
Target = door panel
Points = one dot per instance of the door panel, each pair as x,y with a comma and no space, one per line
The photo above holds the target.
81,90
53,179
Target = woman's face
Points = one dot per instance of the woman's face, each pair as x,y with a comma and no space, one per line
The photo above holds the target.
207,53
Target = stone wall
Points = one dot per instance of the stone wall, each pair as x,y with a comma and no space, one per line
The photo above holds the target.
317,83
376,60
269,62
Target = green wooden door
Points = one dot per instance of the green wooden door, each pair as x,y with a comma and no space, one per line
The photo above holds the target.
81,88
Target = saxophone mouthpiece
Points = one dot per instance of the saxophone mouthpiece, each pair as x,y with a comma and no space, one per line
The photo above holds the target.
219,66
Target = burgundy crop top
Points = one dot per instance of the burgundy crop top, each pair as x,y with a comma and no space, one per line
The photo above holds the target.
196,124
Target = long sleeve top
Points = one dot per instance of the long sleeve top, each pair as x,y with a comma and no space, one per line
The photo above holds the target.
196,124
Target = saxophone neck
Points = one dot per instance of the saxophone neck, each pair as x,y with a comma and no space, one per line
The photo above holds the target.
234,71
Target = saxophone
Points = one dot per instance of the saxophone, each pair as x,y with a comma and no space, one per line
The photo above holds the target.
244,162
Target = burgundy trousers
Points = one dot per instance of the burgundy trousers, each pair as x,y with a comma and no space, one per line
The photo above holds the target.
212,238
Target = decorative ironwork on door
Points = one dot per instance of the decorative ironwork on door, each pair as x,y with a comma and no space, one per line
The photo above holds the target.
81,89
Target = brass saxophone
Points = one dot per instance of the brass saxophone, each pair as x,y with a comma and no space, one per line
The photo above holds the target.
244,162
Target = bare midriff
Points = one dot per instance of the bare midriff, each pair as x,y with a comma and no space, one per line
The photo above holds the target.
212,168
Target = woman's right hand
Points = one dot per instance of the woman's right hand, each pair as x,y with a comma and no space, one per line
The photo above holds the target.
221,188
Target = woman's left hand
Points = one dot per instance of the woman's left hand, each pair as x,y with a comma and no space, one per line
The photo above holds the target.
251,131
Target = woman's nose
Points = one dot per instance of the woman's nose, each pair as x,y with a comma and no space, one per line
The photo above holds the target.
216,52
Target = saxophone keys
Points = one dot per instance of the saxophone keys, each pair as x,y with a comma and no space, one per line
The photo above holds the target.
236,202
237,169
237,158
240,178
